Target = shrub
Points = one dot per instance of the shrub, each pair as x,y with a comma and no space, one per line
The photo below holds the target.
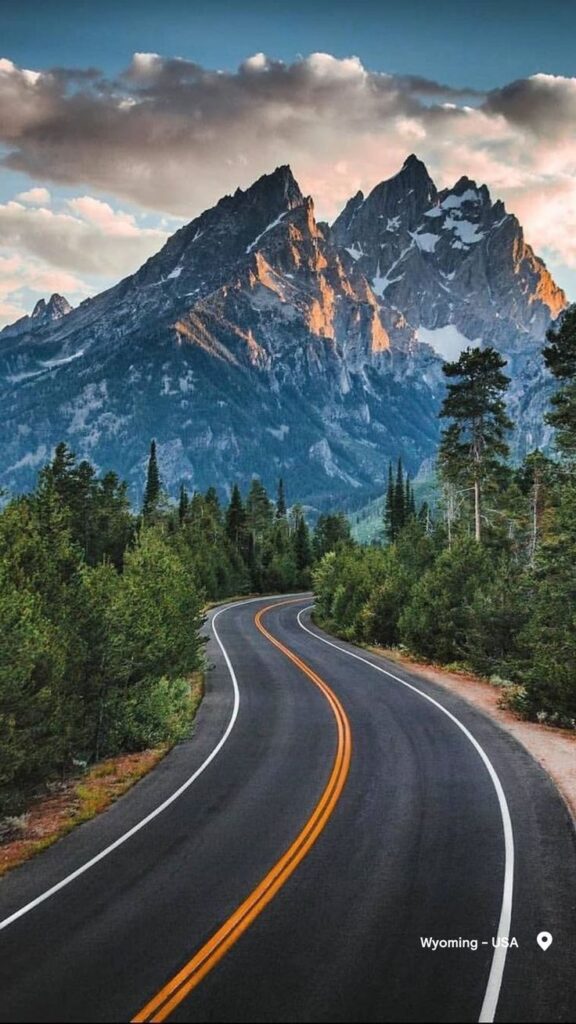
434,623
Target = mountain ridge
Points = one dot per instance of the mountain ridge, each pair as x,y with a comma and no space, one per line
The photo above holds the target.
259,341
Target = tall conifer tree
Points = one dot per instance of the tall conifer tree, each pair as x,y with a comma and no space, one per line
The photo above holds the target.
236,519
183,504
560,358
399,499
153,485
389,517
281,501
473,446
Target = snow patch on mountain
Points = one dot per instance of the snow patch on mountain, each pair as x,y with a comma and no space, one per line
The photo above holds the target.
273,224
355,252
447,341
425,241
467,232
50,364
280,432
454,201
31,460
380,282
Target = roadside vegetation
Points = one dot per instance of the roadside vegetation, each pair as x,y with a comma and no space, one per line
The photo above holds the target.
488,581
101,608
101,611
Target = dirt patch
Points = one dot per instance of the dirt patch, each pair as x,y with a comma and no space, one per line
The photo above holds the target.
72,802
554,749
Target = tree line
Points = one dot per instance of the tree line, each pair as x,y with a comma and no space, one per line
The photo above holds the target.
101,608
488,579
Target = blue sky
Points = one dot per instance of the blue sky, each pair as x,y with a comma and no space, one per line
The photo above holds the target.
97,170
480,44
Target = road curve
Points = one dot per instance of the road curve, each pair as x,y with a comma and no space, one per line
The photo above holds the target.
412,845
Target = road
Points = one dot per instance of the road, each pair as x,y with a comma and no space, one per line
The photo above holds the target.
330,811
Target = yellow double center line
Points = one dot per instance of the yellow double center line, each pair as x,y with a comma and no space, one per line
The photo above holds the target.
172,994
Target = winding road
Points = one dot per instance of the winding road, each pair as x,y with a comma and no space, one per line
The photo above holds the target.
331,818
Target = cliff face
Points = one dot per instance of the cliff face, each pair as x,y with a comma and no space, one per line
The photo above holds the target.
257,341
450,258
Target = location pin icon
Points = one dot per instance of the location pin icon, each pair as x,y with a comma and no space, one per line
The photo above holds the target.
544,940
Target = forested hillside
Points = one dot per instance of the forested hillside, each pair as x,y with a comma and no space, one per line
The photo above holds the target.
101,609
489,580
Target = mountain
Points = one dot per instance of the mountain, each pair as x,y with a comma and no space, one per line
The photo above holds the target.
449,259
458,267
260,341
43,314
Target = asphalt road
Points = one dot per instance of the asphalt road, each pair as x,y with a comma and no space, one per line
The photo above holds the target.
348,816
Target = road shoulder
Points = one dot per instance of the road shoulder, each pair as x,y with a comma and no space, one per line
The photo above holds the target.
553,748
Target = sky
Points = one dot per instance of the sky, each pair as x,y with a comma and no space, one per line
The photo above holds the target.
119,122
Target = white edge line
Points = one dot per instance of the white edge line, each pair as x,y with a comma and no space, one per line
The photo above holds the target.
166,803
492,993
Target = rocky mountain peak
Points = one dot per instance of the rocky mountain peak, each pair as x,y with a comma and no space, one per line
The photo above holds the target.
56,307
293,297
279,186
465,192
39,309
343,222
259,341
201,254
414,170
426,253
412,180
43,314
385,217
463,184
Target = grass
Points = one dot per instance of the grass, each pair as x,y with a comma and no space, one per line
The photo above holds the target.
77,800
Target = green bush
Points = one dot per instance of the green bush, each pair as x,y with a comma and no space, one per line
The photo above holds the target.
434,624
157,713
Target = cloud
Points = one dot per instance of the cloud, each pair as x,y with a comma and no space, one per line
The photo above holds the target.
23,280
35,196
549,212
45,250
10,312
544,104
173,136
91,238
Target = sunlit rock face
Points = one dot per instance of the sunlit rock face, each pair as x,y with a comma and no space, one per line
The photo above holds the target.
260,342
458,268
449,258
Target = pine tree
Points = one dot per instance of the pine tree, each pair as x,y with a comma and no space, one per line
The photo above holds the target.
258,509
424,517
560,358
281,501
236,519
153,485
213,502
332,531
473,445
399,500
62,466
409,502
183,504
302,550
389,516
